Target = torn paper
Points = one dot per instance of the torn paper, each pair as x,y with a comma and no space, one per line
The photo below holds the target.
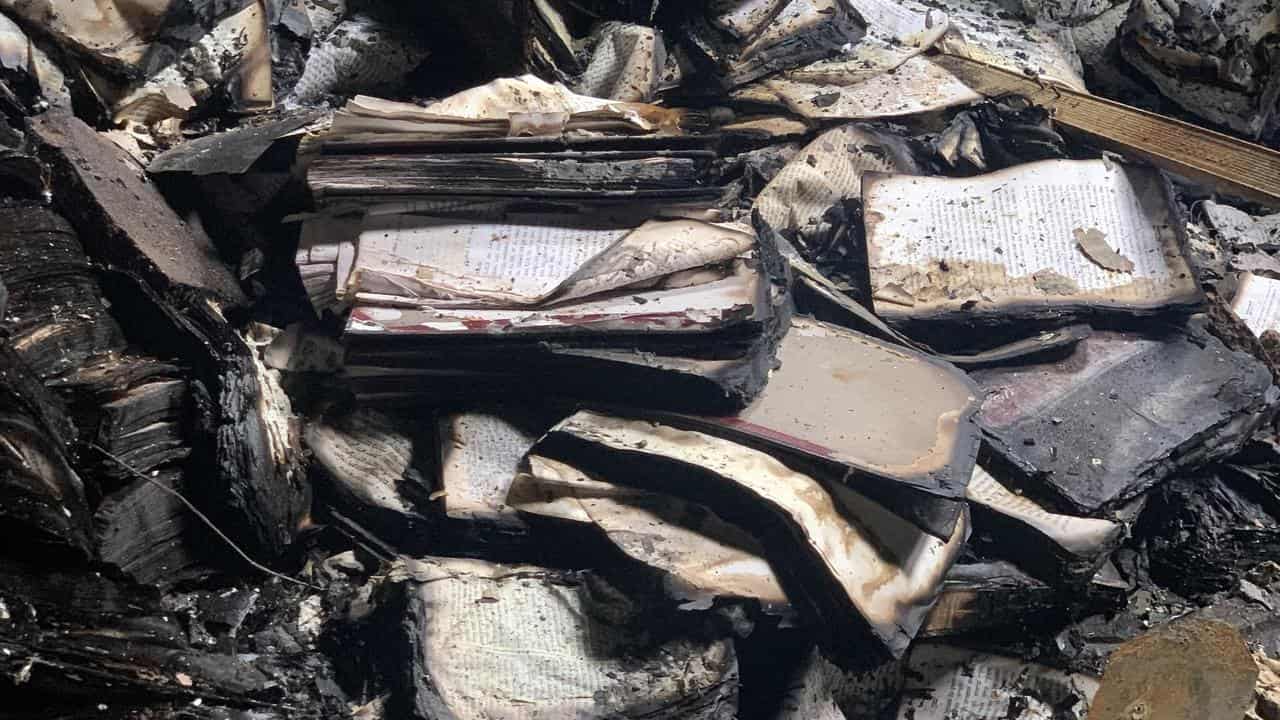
1257,303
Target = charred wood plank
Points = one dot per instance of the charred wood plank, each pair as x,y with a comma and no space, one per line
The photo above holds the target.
109,199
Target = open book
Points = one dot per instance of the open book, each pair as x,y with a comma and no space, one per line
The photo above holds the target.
1048,240
417,275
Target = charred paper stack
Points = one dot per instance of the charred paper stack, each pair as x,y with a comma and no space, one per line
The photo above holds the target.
518,238
718,359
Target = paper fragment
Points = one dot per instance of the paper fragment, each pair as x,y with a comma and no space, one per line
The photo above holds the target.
1093,243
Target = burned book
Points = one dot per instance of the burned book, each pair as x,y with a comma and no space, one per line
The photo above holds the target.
76,640
826,411
1057,548
702,558
1046,243
824,539
424,277
981,598
582,175
147,532
145,425
507,640
440,298
1121,413
44,505
103,191
55,318
722,380
743,41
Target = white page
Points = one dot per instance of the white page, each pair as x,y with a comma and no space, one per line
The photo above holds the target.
908,21
1257,302
479,456
946,683
419,256
947,242
506,642
1083,536
882,75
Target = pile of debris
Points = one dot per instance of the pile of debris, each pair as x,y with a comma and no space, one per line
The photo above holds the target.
762,359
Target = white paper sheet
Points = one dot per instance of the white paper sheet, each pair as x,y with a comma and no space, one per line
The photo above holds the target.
1083,536
1257,302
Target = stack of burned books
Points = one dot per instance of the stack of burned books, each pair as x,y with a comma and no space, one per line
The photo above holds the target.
519,231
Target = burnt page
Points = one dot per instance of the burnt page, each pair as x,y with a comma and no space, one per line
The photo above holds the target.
826,539
480,454
1120,413
1044,242
828,170
943,681
818,689
1054,547
575,174
890,422
702,557
984,31
702,308
518,641
376,464
1257,303
517,264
